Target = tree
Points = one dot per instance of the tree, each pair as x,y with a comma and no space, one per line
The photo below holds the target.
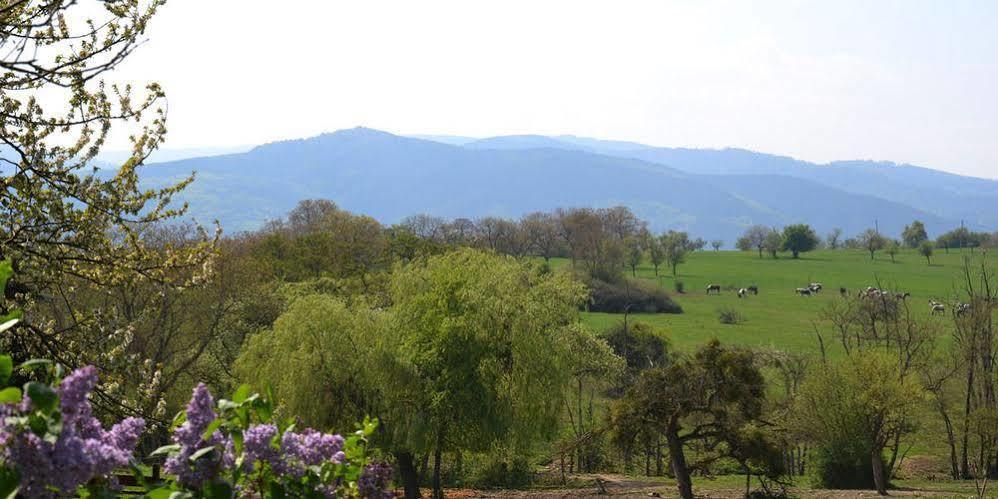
66,227
892,249
656,253
773,242
619,222
541,232
425,226
634,253
799,238
872,241
914,234
833,238
862,400
675,246
480,346
754,238
925,249
716,244
709,398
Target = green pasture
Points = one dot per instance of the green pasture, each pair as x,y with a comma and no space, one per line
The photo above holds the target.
778,317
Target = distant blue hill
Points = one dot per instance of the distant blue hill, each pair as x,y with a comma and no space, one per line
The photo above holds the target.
949,196
712,194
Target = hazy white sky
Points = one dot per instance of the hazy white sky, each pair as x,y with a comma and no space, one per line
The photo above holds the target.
906,81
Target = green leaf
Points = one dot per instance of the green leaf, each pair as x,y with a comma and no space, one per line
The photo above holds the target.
6,272
166,449
181,495
198,454
42,396
33,363
241,393
9,322
215,425
277,491
10,482
178,420
10,395
160,493
6,368
217,490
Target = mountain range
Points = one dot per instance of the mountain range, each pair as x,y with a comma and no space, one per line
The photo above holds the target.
714,194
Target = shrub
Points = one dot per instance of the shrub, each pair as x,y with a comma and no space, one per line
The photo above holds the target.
498,471
728,315
630,296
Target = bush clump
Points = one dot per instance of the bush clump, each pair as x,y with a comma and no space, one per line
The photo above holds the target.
502,472
627,295
728,315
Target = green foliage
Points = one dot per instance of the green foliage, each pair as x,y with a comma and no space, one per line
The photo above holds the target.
799,238
480,331
872,241
850,409
340,345
712,397
914,235
641,347
773,242
675,245
925,249
501,470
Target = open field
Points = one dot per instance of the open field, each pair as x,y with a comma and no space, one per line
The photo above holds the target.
777,317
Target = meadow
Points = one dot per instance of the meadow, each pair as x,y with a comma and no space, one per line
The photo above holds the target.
778,317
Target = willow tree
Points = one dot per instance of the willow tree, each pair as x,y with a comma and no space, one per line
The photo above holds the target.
482,340
63,224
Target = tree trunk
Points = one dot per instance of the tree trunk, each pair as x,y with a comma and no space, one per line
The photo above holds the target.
438,490
950,439
678,461
968,408
658,456
879,478
408,475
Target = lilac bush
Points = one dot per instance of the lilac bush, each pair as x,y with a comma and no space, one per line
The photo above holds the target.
53,443
234,448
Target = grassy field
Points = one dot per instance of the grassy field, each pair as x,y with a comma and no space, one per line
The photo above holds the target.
777,317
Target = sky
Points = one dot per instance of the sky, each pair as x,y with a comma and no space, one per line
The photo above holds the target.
905,81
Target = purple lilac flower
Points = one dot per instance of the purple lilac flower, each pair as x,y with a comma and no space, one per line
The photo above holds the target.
375,481
258,445
309,448
200,414
80,453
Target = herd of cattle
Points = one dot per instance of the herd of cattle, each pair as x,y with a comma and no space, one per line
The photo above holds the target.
869,293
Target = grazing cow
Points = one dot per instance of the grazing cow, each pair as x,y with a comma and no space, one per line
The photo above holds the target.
815,287
902,296
714,287
843,291
803,291
753,289
938,308
961,309
742,292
